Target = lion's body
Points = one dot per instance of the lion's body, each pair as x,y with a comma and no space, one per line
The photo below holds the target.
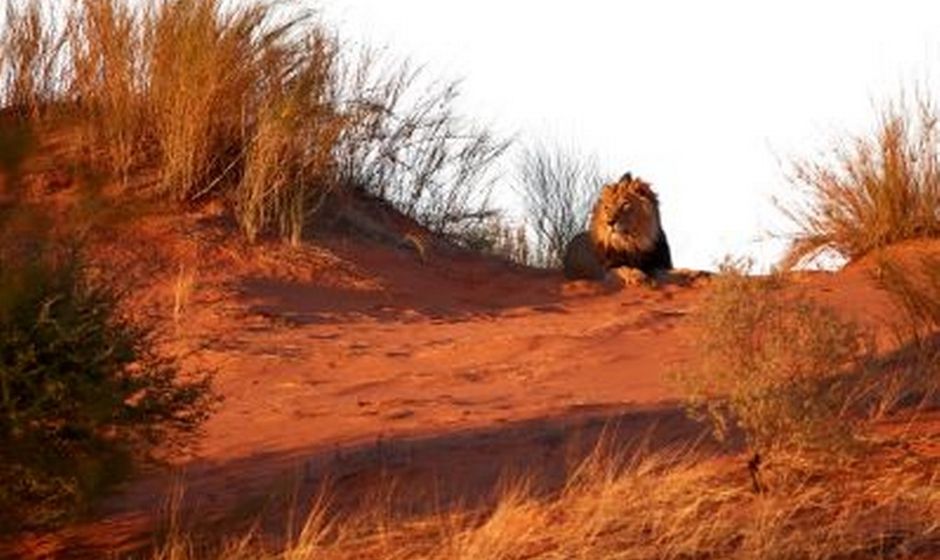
581,261
625,230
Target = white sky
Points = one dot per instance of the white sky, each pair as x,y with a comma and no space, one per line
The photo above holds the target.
702,99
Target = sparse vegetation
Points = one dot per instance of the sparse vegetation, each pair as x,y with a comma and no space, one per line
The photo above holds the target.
30,47
873,191
408,146
497,236
558,189
771,361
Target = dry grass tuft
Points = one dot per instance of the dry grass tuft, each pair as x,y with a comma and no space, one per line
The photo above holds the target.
203,65
289,164
182,292
105,40
874,191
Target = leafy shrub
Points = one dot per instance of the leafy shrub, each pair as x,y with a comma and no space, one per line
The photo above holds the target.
770,361
82,389
873,192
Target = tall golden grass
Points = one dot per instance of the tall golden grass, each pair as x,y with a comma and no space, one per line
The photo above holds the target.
668,504
873,191
259,104
104,42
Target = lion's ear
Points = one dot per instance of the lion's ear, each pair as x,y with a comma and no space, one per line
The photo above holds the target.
646,191
627,178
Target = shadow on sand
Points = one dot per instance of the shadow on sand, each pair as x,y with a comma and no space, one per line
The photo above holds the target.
408,476
395,286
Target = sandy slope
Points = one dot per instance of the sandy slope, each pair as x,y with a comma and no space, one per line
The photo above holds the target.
355,363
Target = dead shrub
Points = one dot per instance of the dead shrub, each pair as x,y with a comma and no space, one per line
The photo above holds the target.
558,189
31,45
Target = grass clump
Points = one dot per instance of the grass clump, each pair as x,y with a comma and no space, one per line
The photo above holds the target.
873,191
772,362
106,83
289,166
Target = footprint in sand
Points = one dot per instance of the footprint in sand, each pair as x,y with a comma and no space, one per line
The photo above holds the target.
400,414
472,376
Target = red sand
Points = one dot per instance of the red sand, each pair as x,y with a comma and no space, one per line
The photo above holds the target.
353,362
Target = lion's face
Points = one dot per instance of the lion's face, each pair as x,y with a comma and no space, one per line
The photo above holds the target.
626,217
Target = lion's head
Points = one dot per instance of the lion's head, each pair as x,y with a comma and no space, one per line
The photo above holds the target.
626,218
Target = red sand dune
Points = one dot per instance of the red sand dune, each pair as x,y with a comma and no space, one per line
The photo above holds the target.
356,363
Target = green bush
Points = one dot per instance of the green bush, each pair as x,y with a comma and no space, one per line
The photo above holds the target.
82,389
770,361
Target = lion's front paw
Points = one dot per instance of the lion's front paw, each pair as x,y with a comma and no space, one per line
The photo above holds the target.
626,276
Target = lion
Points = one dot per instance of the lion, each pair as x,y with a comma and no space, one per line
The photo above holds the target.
625,235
